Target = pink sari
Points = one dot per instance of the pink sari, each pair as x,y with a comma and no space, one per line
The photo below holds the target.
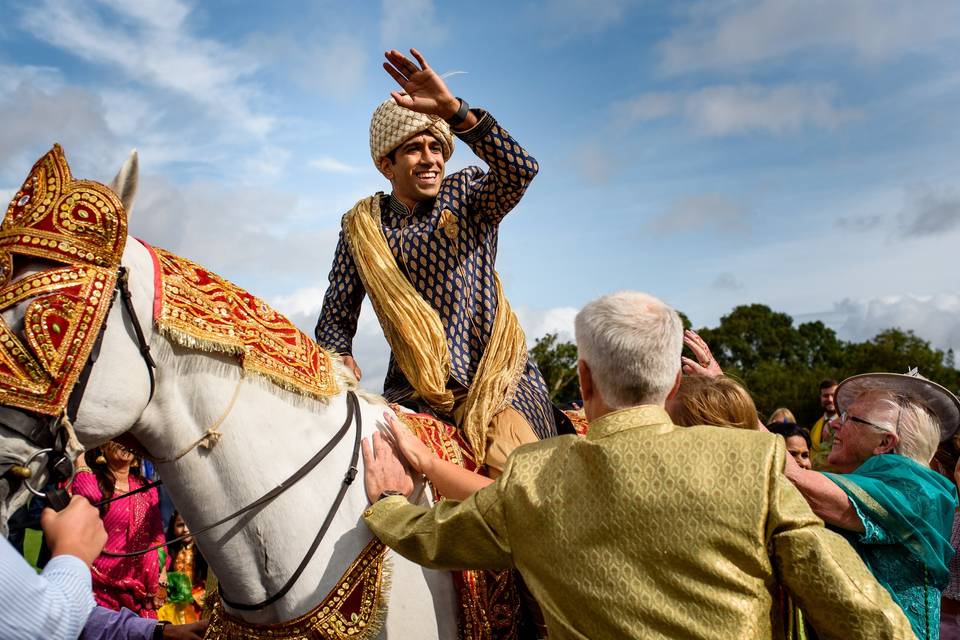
132,524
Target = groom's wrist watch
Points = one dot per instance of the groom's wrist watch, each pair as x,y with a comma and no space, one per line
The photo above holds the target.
461,114
387,493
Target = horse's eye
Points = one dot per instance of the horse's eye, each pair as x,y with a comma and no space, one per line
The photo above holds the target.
24,200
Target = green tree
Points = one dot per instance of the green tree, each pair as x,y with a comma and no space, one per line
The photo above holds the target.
897,351
751,334
557,362
780,364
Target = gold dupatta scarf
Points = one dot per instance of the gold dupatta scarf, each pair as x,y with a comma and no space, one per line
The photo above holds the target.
416,336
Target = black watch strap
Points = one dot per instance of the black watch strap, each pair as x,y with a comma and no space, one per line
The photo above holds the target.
158,630
457,119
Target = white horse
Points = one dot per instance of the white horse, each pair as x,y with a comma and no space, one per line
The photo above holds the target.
266,435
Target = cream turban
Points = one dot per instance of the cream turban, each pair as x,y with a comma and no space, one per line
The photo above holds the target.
391,124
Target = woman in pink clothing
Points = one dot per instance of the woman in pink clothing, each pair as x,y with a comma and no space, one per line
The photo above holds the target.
132,524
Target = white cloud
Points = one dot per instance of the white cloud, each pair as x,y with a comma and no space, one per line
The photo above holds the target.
370,348
33,119
650,106
537,322
406,23
158,51
702,212
332,165
726,110
583,17
731,35
46,79
935,318
243,233
333,66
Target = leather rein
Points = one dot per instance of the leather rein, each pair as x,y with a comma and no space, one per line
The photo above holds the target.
50,431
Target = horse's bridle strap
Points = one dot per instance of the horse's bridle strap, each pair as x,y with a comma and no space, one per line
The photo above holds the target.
353,410
353,406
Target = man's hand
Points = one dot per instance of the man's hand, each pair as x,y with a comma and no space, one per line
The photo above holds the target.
192,631
423,90
352,365
75,531
383,470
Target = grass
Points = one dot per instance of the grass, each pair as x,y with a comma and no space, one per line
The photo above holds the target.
31,546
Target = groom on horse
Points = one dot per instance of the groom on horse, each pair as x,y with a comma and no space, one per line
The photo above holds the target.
425,254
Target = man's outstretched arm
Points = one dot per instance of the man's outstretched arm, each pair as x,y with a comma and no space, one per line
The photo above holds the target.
453,535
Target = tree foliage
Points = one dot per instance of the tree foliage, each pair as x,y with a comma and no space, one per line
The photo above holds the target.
780,363
557,362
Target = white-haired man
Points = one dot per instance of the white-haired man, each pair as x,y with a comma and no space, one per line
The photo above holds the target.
652,530
425,255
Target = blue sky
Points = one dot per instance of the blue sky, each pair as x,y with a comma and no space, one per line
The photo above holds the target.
805,155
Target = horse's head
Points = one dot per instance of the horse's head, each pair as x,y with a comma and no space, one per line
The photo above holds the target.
62,242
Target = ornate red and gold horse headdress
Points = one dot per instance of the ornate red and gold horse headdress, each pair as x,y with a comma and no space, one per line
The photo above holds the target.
81,227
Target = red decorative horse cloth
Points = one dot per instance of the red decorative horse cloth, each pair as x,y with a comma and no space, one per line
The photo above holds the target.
490,601
198,309
82,226
355,608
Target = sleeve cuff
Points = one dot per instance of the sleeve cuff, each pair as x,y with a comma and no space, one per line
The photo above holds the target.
484,124
71,565
872,532
384,503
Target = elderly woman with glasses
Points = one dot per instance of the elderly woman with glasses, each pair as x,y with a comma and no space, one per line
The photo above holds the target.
886,500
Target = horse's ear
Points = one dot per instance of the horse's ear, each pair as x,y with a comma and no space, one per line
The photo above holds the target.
125,184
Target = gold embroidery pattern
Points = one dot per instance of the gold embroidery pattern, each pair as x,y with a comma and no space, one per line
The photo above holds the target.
200,310
355,608
68,221
79,223
489,600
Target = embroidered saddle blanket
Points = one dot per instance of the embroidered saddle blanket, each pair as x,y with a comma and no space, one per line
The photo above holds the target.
198,309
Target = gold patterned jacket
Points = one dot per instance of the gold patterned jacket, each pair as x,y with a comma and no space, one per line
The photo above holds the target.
447,247
643,529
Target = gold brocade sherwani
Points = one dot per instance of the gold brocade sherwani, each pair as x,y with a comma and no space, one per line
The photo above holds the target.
652,531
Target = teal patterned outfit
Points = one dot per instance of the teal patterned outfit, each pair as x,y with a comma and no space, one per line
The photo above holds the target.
907,512
447,247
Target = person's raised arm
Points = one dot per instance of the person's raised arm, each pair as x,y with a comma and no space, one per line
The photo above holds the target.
491,194
423,90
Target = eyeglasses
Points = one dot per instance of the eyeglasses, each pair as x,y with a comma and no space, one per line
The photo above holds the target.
844,417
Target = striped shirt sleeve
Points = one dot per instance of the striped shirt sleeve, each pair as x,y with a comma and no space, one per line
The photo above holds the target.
54,604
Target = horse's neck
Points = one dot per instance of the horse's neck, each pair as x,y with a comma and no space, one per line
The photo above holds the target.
266,435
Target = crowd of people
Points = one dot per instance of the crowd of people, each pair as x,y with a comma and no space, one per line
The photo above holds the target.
158,594
679,514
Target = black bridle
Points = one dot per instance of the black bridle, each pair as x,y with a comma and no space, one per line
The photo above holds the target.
48,432
353,412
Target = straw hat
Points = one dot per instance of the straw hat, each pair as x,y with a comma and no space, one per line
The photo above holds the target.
941,402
